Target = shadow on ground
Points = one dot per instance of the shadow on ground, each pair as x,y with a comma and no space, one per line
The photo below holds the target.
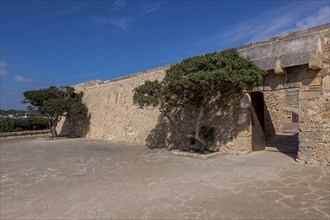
286,143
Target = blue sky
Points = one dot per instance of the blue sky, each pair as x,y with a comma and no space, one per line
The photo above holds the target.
59,43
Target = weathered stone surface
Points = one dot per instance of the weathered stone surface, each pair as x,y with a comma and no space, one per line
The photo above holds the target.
113,115
279,81
312,81
326,84
310,126
298,89
311,135
273,113
295,44
295,59
243,118
245,101
243,146
278,69
291,100
294,49
316,61
266,63
258,52
313,94
269,81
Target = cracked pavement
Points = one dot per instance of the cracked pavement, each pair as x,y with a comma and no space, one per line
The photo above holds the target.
90,179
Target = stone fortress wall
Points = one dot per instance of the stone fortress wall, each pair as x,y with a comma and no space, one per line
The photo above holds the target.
112,114
297,83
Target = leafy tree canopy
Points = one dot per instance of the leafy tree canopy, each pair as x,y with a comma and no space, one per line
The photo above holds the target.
197,81
56,102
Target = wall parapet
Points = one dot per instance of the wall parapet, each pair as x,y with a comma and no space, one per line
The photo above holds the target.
284,51
98,83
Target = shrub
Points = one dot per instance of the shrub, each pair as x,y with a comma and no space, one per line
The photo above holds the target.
23,124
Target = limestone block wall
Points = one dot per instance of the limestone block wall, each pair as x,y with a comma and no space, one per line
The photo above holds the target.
112,115
281,94
314,120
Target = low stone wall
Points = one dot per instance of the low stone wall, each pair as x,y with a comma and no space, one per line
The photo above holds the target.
23,134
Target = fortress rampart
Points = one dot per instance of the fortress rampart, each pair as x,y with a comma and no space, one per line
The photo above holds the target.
296,90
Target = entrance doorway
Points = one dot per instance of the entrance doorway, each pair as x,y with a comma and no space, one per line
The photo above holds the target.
286,140
258,121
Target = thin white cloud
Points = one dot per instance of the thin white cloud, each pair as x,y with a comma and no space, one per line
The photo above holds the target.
118,5
73,8
151,7
3,68
283,20
320,17
23,79
121,23
98,22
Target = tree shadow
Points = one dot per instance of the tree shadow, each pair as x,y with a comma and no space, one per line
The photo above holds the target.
222,115
76,128
286,143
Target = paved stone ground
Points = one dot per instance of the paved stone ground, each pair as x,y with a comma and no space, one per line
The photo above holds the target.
85,179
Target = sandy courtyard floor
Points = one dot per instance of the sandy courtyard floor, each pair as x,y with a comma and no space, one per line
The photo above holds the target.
88,179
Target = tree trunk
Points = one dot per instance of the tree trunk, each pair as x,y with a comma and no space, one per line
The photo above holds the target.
53,128
198,129
172,122
196,136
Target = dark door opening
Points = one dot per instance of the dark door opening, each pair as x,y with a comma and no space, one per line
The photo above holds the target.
258,121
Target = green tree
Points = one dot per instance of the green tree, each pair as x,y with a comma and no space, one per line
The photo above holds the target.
196,83
57,102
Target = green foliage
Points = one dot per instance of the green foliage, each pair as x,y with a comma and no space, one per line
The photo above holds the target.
148,95
23,124
56,102
194,80
197,79
38,97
